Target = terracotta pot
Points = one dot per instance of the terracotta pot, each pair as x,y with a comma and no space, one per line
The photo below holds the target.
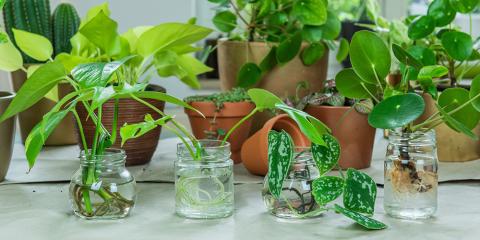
452,146
282,81
351,128
64,134
255,149
7,135
139,150
225,119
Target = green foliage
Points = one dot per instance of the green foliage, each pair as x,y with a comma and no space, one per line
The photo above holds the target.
225,21
350,85
397,111
363,220
453,98
33,45
263,99
458,45
289,48
421,27
310,12
65,22
234,95
327,188
249,75
343,50
360,192
14,61
442,12
130,131
326,157
313,53
280,154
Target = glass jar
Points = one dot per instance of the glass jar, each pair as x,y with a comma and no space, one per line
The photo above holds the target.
411,180
204,187
296,199
103,188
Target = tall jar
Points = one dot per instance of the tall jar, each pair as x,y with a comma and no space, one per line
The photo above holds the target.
204,186
103,188
296,198
411,179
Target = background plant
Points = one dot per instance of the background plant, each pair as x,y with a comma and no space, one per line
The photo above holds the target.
355,10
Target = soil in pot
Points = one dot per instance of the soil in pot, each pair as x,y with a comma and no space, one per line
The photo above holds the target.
139,150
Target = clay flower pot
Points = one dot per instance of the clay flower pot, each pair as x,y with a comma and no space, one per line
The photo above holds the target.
224,120
351,128
255,149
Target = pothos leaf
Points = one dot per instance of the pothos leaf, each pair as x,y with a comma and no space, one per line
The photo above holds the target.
280,154
327,188
360,192
326,157
365,221
130,131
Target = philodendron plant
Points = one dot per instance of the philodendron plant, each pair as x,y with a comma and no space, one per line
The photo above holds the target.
284,24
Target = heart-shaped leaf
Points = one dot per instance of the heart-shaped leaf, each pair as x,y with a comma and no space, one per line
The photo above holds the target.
343,50
310,12
131,131
396,111
451,99
313,53
327,188
405,57
289,48
225,21
421,27
442,12
263,99
326,157
350,85
34,45
458,45
12,58
101,30
464,6
280,154
365,221
360,192
249,75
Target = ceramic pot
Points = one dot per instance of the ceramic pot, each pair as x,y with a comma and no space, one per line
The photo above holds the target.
255,149
139,150
225,119
351,128
7,135
64,134
281,81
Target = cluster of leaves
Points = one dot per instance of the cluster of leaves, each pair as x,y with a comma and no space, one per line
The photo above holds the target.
234,95
355,10
358,189
286,24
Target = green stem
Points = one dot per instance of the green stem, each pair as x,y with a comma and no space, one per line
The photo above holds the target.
87,200
115,122
238,124
82,133
368,91
97,131
190,150
378,79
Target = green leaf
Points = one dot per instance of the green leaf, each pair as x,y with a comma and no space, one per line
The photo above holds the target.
327,188
364,221
102,31
326,157
225,21
370,57
425,55
312,33
396,111
35,88
475,92
310,12
70,61
458,45
93,12
456,125
169,35
11,59
405,57
343,50
131,131
266,7
360,192
350,85
263,99
249,75
421,27
464,6
81,46
160,97
36,46
270,61
313,53
332,27
289,48
442,12
133,34
434,71
280,154
2,3
451,99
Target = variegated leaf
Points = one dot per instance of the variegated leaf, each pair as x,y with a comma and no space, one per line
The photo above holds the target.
280,154
360,192
327,188
326,157
365,221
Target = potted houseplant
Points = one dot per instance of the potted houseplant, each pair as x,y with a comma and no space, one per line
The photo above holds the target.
221,112
172,57
411,162
57,28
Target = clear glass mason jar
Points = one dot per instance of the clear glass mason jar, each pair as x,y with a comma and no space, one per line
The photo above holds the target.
411,180
103,188
204,188
296,199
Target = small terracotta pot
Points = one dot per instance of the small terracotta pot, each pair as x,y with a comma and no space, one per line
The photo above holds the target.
351,128
139,150
255,149
225,119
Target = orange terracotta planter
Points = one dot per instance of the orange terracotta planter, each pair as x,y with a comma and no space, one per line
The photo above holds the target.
255,149
351,128
225,119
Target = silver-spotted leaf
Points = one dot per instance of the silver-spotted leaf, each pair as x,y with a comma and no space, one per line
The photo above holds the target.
327,189
365,221
280,154
360,192
326,157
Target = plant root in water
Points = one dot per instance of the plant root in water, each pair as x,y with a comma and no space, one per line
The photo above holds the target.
406,178
113,203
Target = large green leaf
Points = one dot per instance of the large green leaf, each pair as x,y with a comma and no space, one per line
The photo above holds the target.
405,57
289,48
350,85
364,221
225,21
280,154
169,35
131,131
343,50
11,59
458,45
421,27
249,75
93,12
102,31
456,125
312,33
396,111
36,46
133,34
425,55
464,6
310,12
332,27
327,188
263,99
453,98
326,157
35,88
70,61
313,53
370,57
475,92
442,12
360,192
269,61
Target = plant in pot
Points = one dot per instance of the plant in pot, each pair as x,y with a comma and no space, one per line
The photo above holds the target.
34,16
165,50
411,179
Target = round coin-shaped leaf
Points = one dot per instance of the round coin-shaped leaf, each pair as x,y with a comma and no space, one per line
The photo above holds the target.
458,45
350,85
225,21
442,12
421,27
453,98
396,111
249,75
464,6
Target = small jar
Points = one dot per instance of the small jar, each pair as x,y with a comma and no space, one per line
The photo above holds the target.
204,187
296,199
103,188
411,179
